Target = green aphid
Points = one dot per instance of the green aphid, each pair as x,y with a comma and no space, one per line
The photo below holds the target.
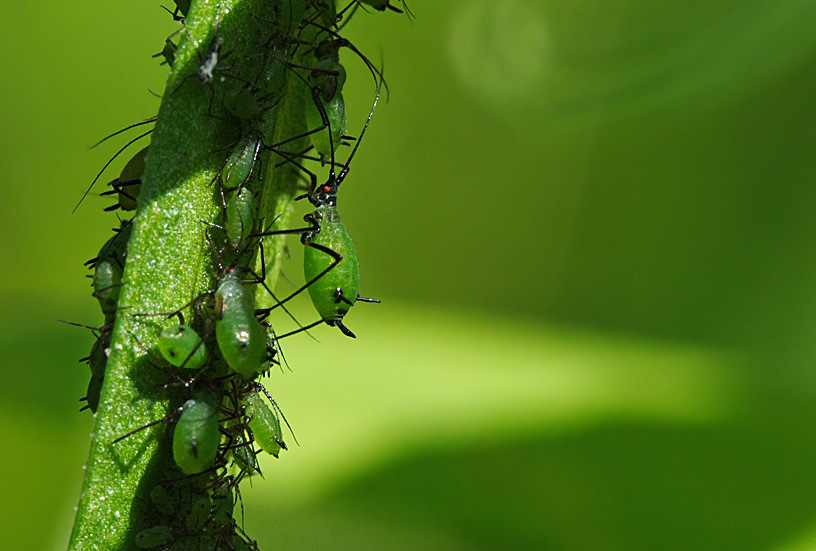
224,503
329,130
116,246
108,266
241,211
330,263
162,500
107,282
244,453
168,52
152,537
128,185
275,74
97,361
199,514
288,15
241,339
264,424
329,76
181,346
241,162
196,436
337,289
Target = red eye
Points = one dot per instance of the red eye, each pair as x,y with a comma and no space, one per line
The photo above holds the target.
326,189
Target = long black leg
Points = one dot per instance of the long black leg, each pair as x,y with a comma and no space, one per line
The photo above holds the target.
262,281
147,426
337,258
131,142
346,331
301,330
125,129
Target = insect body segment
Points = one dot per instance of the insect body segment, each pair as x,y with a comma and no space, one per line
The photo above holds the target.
97,361
241,339
152,537
264,424
108,266
129,183
196,436
331,262
241,163
181,346
168,53
107,279
241,211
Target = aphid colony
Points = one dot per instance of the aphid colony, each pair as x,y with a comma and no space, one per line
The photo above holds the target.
221,413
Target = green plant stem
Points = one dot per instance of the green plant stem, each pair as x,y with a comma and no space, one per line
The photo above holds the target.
170,263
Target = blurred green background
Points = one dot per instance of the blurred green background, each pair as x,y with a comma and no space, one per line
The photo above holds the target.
592,228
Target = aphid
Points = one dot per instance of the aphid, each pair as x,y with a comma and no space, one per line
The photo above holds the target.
264,423
191,513
241,162
152,537
223,499
335,112
242,450
107,282
97,361
94,390
274,75
196,436
287,16
199,514
168,52
129,183
108,266
241,339
181,346
240,216
330,263
114,248
330,76
329,49
161,499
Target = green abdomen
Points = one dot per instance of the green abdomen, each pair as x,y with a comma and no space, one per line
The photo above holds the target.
345,275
